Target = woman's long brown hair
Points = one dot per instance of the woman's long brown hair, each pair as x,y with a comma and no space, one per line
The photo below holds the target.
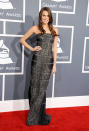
50,23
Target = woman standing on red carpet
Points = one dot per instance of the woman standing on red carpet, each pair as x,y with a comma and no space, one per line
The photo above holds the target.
42,65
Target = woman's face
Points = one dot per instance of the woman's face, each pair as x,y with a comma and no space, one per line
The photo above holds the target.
45,17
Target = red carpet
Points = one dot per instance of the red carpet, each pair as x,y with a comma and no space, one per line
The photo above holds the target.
63,119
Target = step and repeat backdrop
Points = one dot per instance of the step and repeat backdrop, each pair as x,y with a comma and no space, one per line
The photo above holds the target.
72,19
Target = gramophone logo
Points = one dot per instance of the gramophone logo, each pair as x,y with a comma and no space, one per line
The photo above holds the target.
59,0
58,46
5,4
4,54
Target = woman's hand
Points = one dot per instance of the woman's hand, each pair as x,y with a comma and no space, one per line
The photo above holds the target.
53,69
37,48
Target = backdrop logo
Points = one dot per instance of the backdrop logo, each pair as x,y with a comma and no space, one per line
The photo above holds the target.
60,5
85,67
65,44
59,46
5,4
10,10
4,54
10,55
59,0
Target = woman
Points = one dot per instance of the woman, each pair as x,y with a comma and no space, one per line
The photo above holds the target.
43,64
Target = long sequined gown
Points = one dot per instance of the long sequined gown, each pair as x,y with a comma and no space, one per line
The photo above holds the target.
41,67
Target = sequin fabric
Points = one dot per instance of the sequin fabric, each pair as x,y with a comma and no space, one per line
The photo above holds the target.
41,67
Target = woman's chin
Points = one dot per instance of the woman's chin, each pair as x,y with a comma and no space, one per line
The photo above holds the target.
45,22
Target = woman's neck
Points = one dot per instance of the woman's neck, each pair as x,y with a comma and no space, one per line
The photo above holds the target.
45,25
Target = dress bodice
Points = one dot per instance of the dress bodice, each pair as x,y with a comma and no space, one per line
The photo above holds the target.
46,43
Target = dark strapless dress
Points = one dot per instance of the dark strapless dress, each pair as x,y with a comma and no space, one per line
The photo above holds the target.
41,67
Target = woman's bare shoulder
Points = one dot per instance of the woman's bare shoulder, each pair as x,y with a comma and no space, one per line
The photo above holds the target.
35,28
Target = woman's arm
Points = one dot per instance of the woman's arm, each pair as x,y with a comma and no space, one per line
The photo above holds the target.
55,47
28,34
